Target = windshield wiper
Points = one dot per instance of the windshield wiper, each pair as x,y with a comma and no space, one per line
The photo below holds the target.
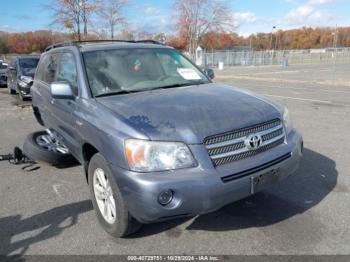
122,92
119,92
174,86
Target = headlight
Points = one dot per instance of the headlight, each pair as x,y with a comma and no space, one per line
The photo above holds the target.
26,79
287,120
22,84
148,156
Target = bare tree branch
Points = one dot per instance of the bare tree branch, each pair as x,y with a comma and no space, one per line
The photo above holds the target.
197,17
72,14
111,13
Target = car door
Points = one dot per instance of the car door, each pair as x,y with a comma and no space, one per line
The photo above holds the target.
11,74
45,75
63,109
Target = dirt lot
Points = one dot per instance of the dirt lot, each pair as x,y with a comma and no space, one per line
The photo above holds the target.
45,210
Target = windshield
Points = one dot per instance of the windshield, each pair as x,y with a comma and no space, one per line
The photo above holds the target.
28,62
134,70
3,66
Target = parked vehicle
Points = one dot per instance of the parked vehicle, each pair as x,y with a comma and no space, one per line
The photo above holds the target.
20,75
3,75
157,138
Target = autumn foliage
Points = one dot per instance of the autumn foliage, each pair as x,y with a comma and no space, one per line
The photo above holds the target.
303,38
29,42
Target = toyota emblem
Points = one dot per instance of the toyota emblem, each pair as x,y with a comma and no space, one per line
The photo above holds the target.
253,141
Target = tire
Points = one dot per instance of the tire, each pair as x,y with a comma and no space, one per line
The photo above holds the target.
12,92
38,153
37,115
20,97
124,224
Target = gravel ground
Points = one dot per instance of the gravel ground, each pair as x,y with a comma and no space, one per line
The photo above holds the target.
45,210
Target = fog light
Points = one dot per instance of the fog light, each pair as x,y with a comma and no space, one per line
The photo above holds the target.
165,197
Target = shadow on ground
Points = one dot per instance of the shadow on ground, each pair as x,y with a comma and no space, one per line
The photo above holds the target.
312,182
51,223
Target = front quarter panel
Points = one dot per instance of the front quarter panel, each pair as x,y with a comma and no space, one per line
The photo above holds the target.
101,128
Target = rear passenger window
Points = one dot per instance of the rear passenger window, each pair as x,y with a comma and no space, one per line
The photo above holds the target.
67,71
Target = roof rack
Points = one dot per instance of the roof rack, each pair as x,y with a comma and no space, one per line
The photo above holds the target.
76,43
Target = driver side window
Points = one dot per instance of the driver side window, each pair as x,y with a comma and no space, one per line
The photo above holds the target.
67,71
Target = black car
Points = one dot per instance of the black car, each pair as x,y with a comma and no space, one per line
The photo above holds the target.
20,75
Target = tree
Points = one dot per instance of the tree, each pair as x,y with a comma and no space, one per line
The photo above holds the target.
71,14
4,49
177,42
197,17
127,35
111,13
88,7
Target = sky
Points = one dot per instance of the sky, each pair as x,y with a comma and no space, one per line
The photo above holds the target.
250,16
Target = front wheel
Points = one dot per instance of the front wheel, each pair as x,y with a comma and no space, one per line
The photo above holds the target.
107,200
12,92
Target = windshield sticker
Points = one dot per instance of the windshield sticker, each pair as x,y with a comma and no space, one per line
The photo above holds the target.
137,65
188,74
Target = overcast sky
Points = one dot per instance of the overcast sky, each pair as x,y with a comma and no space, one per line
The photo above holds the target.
251,16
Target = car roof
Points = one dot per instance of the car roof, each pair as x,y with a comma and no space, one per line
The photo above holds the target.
122,45
94,45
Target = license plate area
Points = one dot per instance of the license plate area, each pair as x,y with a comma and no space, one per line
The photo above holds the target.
260,182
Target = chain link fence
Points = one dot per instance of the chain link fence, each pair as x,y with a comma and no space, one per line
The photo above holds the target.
270,57
258,58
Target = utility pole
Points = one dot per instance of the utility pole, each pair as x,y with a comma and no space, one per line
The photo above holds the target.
335,44
276,42
273,28
335,37
83,7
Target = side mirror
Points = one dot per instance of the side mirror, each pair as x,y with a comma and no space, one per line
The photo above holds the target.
62,90
209,73
12,68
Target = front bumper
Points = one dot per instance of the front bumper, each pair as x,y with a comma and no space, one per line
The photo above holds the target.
203,189
25,91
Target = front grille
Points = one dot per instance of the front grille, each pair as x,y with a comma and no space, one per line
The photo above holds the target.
3,77
229,147
250,171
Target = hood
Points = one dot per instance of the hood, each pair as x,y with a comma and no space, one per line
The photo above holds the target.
190,114
28,72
